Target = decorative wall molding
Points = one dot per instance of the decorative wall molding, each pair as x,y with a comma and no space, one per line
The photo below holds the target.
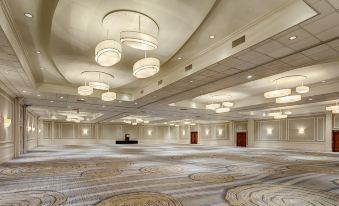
299,129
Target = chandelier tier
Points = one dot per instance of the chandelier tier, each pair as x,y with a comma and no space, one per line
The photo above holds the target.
108,53
108,96
138,40
277,93
334,108
222,110
85,90
146,67
285,95
97,84
222,107
288,99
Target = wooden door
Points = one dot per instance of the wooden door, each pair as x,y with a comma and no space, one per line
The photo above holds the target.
241,139
335,141
194,137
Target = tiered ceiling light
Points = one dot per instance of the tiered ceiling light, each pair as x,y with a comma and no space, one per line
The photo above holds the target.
137,31
284,95
108,53
278,115
220,107
97,84
334,108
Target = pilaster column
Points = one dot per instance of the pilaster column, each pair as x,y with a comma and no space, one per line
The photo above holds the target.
328,131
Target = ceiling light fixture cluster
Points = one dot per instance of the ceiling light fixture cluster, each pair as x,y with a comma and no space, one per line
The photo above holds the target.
284,95
98,84
334,108
279,115
108,52
136,121
222,107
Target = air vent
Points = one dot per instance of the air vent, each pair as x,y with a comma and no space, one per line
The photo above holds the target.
238,41
188,67
159,82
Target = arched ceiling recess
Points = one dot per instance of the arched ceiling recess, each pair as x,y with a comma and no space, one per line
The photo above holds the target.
77,27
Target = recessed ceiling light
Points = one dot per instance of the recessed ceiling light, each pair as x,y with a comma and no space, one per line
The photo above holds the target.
180,58
249,77
23,91
51,101
191,81
28,15
292,37
38,52
212,36
61,97
135,102
310,99
324,81
38,95
120,101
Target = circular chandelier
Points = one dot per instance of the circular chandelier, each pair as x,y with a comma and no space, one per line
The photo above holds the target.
97,84
108,53
146,67
222,107
334,108
284,95
137,31
279,115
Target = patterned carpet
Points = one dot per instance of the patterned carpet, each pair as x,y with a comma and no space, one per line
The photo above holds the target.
170,175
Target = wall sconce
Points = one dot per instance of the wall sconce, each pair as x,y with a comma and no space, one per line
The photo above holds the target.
29,128
33,129
85,131
269,131
149,132
39,130
183,132
301,130
220,131
207,132
7,122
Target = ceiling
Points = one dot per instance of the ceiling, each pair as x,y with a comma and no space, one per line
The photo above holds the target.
48,81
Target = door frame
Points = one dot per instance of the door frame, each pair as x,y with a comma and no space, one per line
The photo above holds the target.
236,138
333,142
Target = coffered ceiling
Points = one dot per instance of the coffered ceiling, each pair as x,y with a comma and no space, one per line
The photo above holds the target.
42,57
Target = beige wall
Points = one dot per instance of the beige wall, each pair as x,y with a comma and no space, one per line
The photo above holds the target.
6,134
302,133
54,132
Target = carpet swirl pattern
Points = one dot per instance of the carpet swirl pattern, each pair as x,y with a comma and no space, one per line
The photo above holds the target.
169,175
